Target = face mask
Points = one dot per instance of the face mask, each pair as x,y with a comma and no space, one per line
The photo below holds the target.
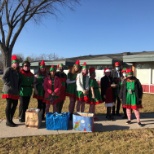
124,74
117,68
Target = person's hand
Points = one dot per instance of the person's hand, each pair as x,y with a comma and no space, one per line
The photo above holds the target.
86,92
104,97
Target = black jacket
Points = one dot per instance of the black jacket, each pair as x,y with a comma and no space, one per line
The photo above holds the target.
105,83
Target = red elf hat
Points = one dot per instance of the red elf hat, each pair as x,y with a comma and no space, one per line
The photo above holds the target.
14,59
117,63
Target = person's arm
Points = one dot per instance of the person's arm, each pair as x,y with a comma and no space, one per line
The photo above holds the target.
6,77
140,89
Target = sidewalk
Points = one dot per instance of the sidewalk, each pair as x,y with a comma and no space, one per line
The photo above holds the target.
101,125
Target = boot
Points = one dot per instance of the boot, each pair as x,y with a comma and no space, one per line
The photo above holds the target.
9,122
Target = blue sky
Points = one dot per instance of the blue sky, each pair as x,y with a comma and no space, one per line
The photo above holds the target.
94,27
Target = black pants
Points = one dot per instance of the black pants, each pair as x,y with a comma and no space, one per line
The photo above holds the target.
24,103
116,108
10,109
41,106
60,106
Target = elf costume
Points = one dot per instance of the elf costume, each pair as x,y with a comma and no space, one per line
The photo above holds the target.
131,91
11,90
71,86
26,87
38,87
82,83
71,82
94,84
52,85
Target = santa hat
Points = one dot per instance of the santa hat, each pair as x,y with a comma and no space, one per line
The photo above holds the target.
59,66
91,70
129,72
14,59
42,64
117,64
84,66
123,70
107,70
77,63
52,69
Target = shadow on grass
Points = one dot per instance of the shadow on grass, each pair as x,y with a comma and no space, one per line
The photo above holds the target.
101,128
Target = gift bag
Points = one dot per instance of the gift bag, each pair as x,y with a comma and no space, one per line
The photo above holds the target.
33,118
83,121
57,121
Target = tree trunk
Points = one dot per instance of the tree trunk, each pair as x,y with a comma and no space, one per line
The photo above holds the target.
6,58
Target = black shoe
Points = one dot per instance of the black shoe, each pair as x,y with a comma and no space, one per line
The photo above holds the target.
14,123
139,123
10,124
21,120
128,122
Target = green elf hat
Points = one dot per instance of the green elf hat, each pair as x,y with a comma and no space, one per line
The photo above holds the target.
129,72
52,69
42,64
84,66
14,59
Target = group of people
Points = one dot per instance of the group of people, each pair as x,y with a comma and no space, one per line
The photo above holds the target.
52,86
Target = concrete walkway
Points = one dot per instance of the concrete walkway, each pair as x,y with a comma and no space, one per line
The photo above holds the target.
101,125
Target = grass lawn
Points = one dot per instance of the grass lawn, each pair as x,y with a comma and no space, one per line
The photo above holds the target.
115,142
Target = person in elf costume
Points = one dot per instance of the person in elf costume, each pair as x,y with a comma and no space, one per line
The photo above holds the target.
26,87
38,87
94,93
71,86
63,77
11,90
107,92
82,84
52,85
131,95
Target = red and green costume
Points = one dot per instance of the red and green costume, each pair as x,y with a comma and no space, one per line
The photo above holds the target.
27,80
71,85
97,100
39,87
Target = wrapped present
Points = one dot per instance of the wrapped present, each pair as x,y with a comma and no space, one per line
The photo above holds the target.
83,121
33,118
57,121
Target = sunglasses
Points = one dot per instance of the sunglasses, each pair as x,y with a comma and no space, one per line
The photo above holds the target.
26,66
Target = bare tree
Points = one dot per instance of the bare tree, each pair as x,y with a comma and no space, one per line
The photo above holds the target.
14,14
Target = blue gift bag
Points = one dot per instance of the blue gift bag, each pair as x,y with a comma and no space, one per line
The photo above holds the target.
57,121
83,121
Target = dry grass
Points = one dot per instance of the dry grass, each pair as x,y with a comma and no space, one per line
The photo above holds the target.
114,142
